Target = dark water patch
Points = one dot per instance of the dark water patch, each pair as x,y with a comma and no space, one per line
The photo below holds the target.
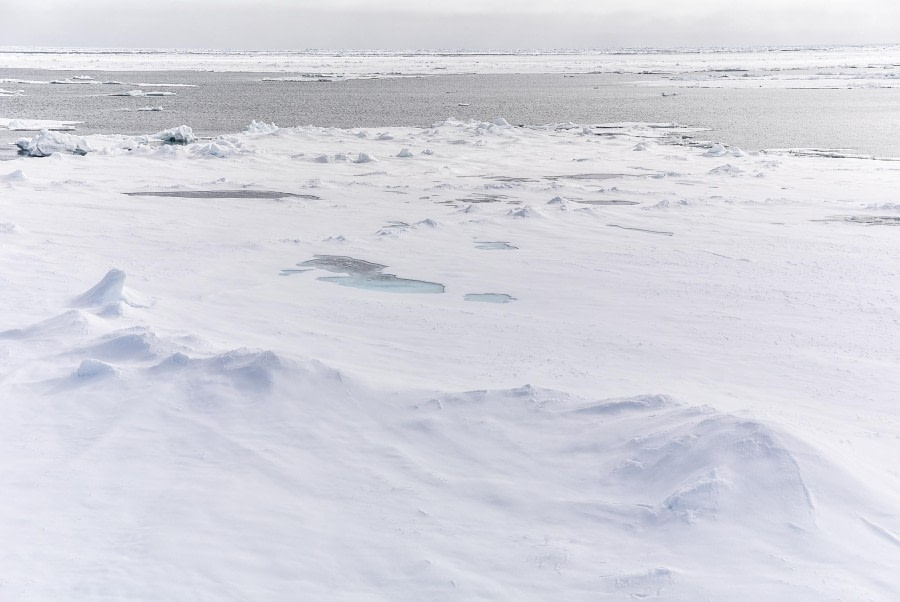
488,198
289,272
367,275
225,194
595,176
494,245
489,298
642,230
866,220
611,203
508,179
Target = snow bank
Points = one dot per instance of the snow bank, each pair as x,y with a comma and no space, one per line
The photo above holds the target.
15,176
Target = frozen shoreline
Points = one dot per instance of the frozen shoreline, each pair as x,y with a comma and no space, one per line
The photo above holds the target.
699,402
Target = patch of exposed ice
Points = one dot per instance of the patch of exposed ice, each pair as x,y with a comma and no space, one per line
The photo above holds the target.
143,93
48,142
260,127
716,150
180,135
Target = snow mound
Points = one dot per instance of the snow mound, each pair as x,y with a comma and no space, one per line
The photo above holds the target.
500,122
10,228
179,135
643,146
92,368
726,170
405,153
70,323
260,127
522,212
15,176
666,204
221,147
365,158
108,291
716,150
48,142
130,344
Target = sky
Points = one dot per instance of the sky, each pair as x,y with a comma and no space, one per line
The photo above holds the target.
445,24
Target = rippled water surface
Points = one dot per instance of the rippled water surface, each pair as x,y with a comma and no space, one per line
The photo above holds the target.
866,120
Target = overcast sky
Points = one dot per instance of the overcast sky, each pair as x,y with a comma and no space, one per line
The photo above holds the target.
401,24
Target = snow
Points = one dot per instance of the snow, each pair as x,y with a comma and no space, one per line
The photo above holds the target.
838,67
48,142
144,93
180,135
698,403
260,127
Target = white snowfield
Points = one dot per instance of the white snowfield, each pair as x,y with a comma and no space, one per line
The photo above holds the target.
690,392
853,66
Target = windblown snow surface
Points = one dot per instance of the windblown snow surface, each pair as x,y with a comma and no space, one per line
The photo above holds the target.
697,403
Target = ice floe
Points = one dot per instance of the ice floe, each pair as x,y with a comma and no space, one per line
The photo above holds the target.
711,407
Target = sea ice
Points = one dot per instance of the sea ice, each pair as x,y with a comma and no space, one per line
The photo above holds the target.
48,142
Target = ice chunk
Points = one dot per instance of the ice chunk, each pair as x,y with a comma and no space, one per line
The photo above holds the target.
716,150
180,135
726,170
365,158
221,147
142,93
405,153
35,125
260,127
91,368
48,142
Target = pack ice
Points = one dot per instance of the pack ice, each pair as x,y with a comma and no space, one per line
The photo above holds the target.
193,411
